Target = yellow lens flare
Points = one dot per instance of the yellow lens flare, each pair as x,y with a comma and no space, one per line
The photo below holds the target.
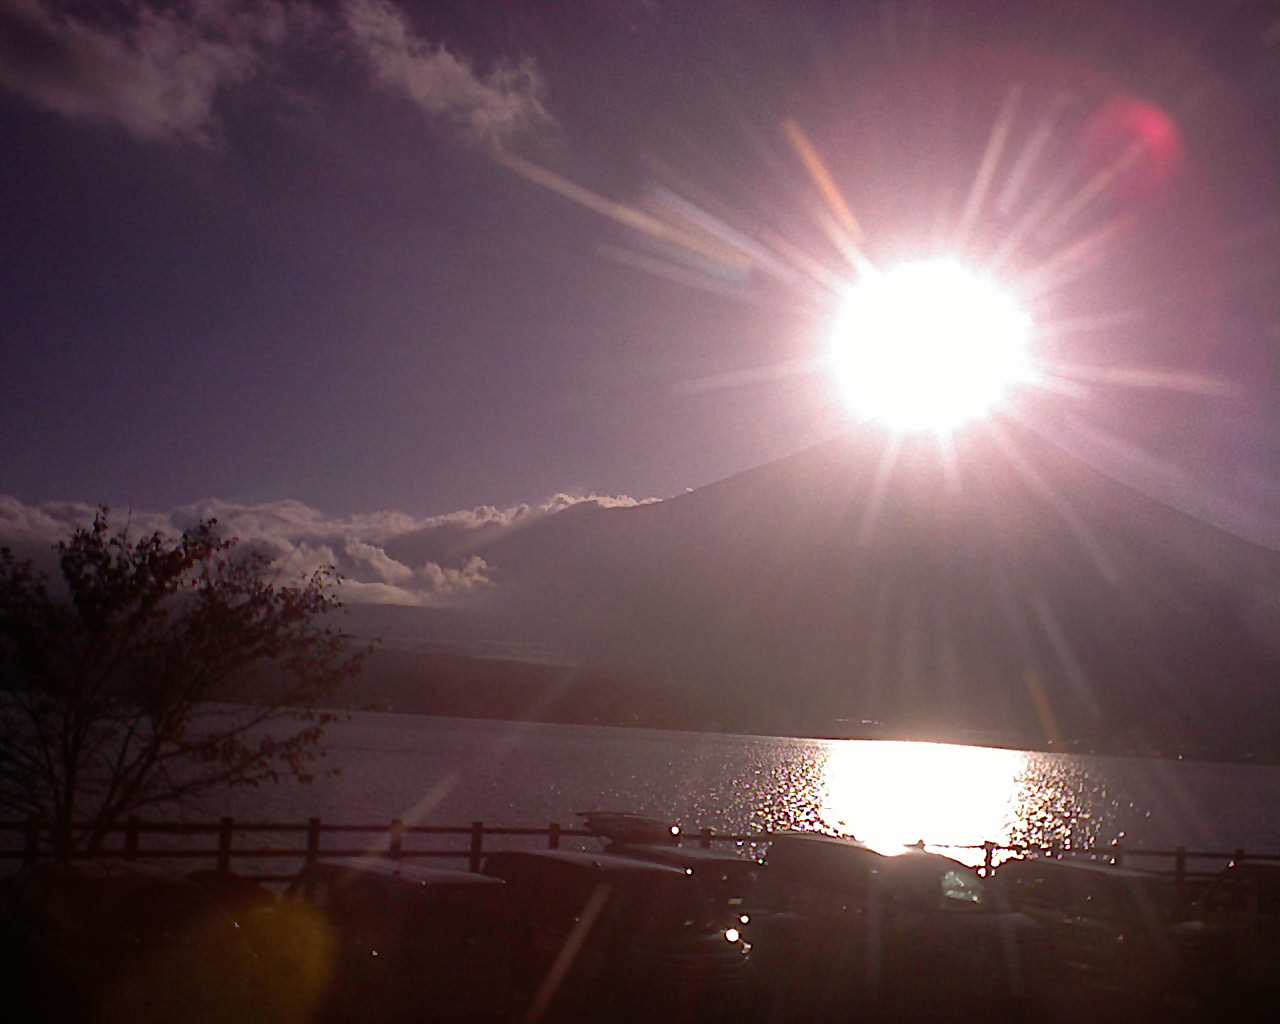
843,228
928,345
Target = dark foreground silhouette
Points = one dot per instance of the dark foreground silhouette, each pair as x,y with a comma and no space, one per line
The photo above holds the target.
827,930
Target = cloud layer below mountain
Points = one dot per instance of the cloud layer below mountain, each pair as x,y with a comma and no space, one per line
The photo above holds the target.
384,557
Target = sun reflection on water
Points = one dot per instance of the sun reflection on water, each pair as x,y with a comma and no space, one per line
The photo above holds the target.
891,794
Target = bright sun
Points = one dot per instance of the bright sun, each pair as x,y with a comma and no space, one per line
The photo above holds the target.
927,345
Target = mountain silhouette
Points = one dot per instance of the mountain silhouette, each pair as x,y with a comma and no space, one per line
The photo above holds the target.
1002,590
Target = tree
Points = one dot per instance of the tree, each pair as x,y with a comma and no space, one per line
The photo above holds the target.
114,687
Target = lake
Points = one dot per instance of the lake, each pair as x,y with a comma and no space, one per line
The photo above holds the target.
452,771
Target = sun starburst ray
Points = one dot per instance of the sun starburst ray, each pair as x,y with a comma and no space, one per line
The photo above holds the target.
817,271
986,172
826,184
755,375
693,277
879,488
1035,214
1092,189
950,464
1076,259
1057,501
1066,326
1063,650
1050,384
1039,139
695,220
629,216
1148,377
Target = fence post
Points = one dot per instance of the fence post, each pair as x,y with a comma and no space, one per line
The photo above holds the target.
1117,858
397,838
705,840
988,858
313,842
31,843
1238,855
131,838
224,846
553,836
477,845
1180,875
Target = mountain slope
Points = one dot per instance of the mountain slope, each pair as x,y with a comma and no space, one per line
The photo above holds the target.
1019,593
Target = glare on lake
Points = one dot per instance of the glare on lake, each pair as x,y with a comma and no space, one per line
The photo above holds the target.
890,795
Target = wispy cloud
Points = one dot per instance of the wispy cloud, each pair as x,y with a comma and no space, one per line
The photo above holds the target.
157,69
154,71
385,557
492,107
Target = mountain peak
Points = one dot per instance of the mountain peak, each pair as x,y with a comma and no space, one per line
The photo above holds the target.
992,581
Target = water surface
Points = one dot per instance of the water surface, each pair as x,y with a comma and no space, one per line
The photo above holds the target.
454,771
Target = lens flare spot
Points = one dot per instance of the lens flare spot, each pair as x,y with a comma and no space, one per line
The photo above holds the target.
1124,122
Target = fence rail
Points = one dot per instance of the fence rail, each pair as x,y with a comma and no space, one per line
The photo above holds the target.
38,842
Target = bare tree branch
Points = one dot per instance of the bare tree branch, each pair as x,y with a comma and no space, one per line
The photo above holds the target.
108,690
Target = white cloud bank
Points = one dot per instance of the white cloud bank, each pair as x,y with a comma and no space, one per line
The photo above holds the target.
157,69
299,539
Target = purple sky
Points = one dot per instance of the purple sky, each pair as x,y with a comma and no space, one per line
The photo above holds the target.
265,252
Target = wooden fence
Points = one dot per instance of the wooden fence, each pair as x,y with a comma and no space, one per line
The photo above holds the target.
35,841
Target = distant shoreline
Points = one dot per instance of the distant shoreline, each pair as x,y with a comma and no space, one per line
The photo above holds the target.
866,736
454,684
